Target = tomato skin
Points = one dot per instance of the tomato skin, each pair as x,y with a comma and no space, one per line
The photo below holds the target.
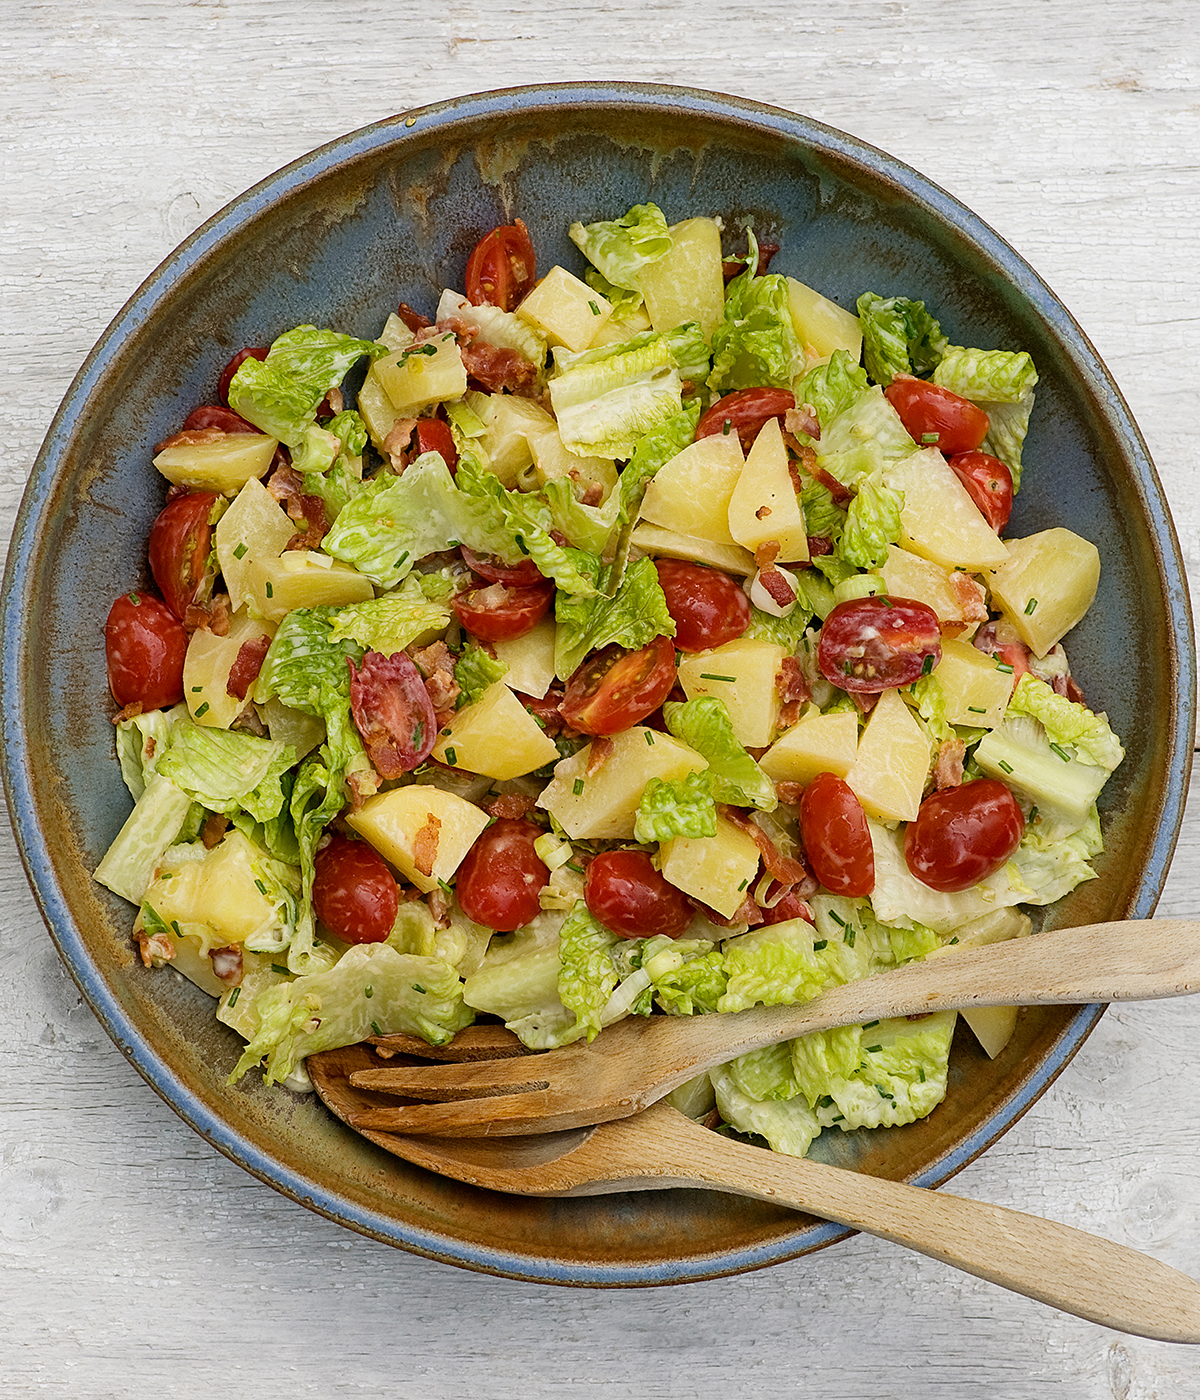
616,688
144,645
434,435
393,712
210,416
501,876
707,606
498,616
502,269
837,840
629,897
989,484
935,417
791,906
354,893
746,411
961,835
875,644
251,352
495,570
179,546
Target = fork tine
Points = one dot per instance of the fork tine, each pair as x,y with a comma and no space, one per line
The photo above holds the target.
474,1043
468,1080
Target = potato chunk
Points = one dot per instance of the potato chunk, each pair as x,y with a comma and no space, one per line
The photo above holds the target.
690,493
1047,585
223,463
821,324
530,660
496,736
566,310
657,539
818,744
688,283
423,831
938,520
415,379
717,870
763,505
889,772
254,527
742,673
304,578
206,666
977,691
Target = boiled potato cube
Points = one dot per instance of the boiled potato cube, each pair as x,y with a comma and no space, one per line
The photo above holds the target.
206,666
254,527
763,505
938,520
303,578
977,692
657,539
907,575
1047,585
222,892
817,744
415,379
690,493
496,736
423,831
530,660
222,462
717,870
603,806
688,282
566,310
742,673
821,324
377,410
509,422
552,458
889,772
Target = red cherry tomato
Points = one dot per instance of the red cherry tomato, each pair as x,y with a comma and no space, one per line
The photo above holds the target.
502,875
180,543
144,644
253,352
246,666
354,893
393,712
935,417
495,570
624,891
502,269
210,415
707,606
791,906
616,688
874,644
434,435
989,484
962,835
837,840
497,613
744,413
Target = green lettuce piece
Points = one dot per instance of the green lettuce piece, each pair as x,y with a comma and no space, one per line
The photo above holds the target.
786,631
305,666
475,671
632,618
872,523
858,942
704,724
831,387
335,487
1067,722
986,376
899,337
589,528
691,981
690,351
159,818
931,705
371,990
788,1125
1008,424
587,975
756,342
1050,776
396,620
775,965
680,807
141,742
863,439
820,1057
496,326
606,399
228,769
834,568
620,248
517,981
765,1074
822,514
623,300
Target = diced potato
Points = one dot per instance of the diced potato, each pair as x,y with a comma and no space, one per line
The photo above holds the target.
821,324
303,578
623,328
657,539
222,892
224,463
206,667
817,744
977,692
718,870
509,423
742,673
690,493
530,660
552,458
889,772
603,806
1046,586
764,505
688,283
377,410
417,379
566,310
938,520
907,575
423,831
496,736
254,527
191,958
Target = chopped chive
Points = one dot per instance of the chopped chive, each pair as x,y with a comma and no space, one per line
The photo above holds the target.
929,437
240,551
202,710
874,1049
954,940
135,599
921,1072
196,689
416,986
445,887
451,757
848,937
233,996
1033,811
270,590
375,1027
595,308
976,710
577,787
825,1101
1006,766
175,928
1061,752
578,869
705,676
725,429
445,733
260,887
742,886
368,992
839,1117
279,967
820,945
1030,606
883,1094
927,665
837,918
1004,666
650,737
869,1025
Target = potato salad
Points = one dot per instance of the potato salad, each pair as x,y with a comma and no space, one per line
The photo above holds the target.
641,638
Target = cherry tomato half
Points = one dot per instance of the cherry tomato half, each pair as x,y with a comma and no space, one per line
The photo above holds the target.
180,543
495,570
501,876
393,712
873,644
961,835
935,417
144,644
624,891
791,906
498,612
616,688
837,840
434,435
210,415
989,484
354,893
502,269
744,412
251,352
707,606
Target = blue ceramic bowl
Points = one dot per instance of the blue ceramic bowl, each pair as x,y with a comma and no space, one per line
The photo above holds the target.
390,213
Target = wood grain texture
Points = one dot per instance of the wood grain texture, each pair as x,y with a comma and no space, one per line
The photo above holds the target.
134,1260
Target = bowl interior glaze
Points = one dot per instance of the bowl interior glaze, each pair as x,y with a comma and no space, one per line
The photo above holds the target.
390,213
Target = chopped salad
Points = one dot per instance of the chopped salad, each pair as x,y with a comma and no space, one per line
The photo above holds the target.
636,643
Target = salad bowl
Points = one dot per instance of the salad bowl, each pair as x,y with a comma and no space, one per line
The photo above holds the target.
390,214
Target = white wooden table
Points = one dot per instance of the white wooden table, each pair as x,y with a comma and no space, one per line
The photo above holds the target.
134,1260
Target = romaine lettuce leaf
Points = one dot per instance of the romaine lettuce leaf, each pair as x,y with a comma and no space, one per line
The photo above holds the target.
1067,722
691,981
620,248
395,620
775,965
789,1125
606,399
588,974
475,671
765,1074
622,300
632,618
704,724
141,742
756,342
589,528
986,376
680,807
899,337
872,523
831,387
228,769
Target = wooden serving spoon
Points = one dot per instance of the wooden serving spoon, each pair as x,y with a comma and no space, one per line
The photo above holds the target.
659,1148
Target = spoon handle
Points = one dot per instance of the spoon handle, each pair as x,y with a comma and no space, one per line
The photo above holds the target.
1092,1278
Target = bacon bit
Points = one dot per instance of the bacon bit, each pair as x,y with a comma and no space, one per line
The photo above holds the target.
510,806
599,753
794,691
771,578
436,665
286,486
863,703
789,793
747,914
425,844
412,319
590,493
212,616
227,964
732,267
1070,690
948,767
819,544
766,554
438,903
762,512
497,369
335,401
786,869
398,442
216,416
246,666
803,419
154,949
192,437
214,828
363,783
130,711
971,598
546,710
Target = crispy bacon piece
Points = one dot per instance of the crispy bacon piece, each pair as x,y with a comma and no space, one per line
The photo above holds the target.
497,369
803,419
398,444
794,691
425,844
154,948
732,267
286,485
213,416
212,616
772,578
436,665
789,793
214,828
438,903
393,712
510,806
546,710
246,666
747,914
193,437
130,711
971,598
227,964
948,766
412,319
599,752
784,868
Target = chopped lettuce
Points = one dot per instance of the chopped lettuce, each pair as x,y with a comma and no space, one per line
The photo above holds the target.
689,977
872,524
831,387
158,819
1067,722
632,618
141,742
704,724
766,1074
986,376
1050,777
622,300
654,449
899,337
496,326
228,769
620,248
788,1125
396,620
681,807
587,973
756,342
606,399
589,528
475,671
775,965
